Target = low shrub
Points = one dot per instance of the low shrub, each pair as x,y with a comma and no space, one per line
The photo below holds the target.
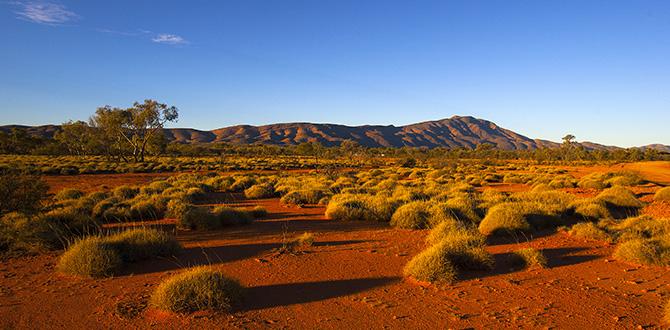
198,218
20,192
529,258
197,289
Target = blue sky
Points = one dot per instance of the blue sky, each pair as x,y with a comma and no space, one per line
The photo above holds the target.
597,69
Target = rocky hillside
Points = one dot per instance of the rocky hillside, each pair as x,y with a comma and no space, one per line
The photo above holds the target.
457,131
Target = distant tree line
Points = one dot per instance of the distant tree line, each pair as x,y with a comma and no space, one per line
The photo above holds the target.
132,134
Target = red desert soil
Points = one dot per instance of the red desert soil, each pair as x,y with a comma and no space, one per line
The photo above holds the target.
350,278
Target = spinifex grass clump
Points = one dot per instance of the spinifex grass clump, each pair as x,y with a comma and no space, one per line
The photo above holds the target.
529,258
646,251
457,250
589,230
662,195
197,289
412,215
101,256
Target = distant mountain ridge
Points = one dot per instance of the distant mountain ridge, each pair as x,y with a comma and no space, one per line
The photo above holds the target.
454,132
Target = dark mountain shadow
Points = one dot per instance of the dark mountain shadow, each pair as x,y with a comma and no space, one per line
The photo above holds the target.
280,295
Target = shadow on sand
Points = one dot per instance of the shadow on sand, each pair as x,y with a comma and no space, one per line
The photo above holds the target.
278,295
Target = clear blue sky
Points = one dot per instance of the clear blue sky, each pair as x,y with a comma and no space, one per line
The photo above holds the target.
597,69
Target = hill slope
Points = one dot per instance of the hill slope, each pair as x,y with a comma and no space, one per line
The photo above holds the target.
454,132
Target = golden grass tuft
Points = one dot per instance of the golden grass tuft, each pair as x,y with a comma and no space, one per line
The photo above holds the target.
650,251
529,258
662,195
90,257
197,289
413,215
588,230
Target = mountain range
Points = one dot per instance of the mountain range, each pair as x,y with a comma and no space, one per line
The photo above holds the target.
454,132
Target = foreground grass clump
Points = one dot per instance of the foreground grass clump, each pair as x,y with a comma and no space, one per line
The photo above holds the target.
650,251
662,195
349,207
506,217
529,258
589,230
412,215
619,196
261,190
459,251
101,256
197,289
90,257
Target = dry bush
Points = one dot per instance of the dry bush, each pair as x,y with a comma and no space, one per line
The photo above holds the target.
125,192
197,289
229,216
21,192
618,196
349,207
529,258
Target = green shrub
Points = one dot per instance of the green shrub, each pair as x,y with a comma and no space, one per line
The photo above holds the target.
529,258
20,192
90,257
69,193
650,251
662,195
413,215
197,289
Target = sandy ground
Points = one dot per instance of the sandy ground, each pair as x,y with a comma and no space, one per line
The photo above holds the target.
351,278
